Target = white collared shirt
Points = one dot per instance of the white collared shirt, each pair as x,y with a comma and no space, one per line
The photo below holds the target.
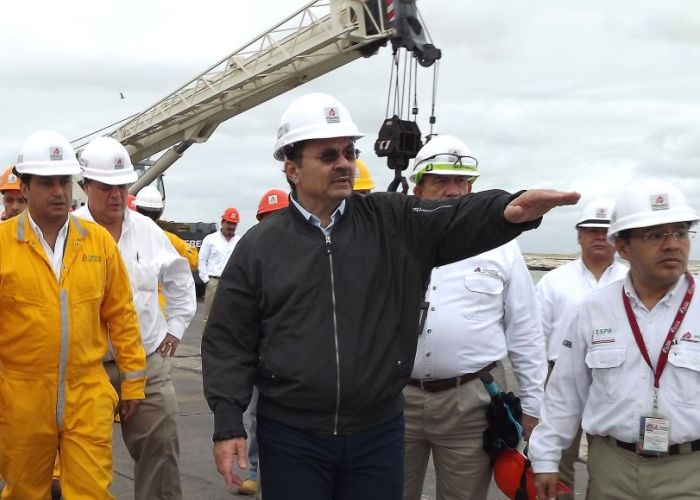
482,309
54,255
315,221
151,260
559,293
214,254
602,381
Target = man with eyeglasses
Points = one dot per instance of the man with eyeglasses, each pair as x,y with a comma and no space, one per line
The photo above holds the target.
480,310
629,366
319,308
561,291
152,262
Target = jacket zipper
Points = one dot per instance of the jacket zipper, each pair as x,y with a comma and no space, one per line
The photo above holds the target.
335,334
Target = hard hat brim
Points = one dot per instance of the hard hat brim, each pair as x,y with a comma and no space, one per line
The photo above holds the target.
637,221
593,224
306,135
461,173
48,168
113,179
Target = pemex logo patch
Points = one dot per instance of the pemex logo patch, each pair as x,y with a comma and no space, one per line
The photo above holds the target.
119,163
332,114
659,202
56,153
12,178
601,213
272,199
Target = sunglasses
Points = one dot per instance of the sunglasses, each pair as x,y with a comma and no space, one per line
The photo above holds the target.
331,155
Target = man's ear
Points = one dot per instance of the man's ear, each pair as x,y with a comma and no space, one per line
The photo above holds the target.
291,170
418,190
622,248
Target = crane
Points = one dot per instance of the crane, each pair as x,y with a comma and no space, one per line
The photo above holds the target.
316,39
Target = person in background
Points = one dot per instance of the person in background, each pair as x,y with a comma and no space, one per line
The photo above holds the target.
628,368
561,291
214,253
152,263
479,311
364,184
12,198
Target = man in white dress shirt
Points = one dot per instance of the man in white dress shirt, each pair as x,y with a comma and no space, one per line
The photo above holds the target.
629,367
214,254
479,311
151,260
561,290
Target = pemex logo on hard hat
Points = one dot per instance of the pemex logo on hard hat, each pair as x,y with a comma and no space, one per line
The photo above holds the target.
601,213
272,199
332,115
119,163
659,202
12,178
56,153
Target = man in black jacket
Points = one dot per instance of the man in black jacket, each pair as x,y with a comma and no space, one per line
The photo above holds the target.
319,306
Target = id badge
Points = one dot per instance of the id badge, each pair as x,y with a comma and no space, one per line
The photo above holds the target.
654,436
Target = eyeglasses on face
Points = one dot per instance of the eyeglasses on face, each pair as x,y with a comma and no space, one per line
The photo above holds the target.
331,155
659,236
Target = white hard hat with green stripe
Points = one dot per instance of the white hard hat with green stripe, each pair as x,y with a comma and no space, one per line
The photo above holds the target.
444,155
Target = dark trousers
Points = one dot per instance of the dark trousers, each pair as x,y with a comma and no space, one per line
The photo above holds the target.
299,465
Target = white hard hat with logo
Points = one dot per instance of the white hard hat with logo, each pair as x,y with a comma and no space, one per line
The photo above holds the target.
149,197
649,202
444,155
596,213
105,160
47,152
314,116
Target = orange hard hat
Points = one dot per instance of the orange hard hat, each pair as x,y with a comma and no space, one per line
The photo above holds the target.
131,202
9,180
508,470
231,215
271,201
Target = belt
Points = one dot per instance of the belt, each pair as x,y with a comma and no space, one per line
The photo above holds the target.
674,449
448,383
214,277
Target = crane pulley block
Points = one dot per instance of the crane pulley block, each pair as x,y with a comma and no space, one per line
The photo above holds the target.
399,141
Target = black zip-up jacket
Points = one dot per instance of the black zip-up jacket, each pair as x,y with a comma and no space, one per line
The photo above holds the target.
327,327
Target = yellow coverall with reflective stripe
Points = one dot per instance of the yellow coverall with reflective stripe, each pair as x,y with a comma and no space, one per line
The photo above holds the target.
54,392
185,250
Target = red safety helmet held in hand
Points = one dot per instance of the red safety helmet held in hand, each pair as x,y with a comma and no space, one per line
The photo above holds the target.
231,215
514,476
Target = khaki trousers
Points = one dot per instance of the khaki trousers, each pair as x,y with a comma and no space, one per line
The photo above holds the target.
151,435
212,284
617,474
450,425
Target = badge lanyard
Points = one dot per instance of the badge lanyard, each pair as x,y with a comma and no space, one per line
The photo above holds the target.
677,321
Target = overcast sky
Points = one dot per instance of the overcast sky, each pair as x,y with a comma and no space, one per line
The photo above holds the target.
574,95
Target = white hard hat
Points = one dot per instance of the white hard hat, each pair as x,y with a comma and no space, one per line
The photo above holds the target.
105,160
596,213
149,197
314,116
444,155
46,152
649,202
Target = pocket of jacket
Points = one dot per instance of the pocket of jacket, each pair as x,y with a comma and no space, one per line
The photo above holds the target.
606,371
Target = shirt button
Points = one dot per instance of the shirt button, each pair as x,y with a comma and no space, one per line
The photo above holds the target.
429,330
432,308
434,288
398,362
427,354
